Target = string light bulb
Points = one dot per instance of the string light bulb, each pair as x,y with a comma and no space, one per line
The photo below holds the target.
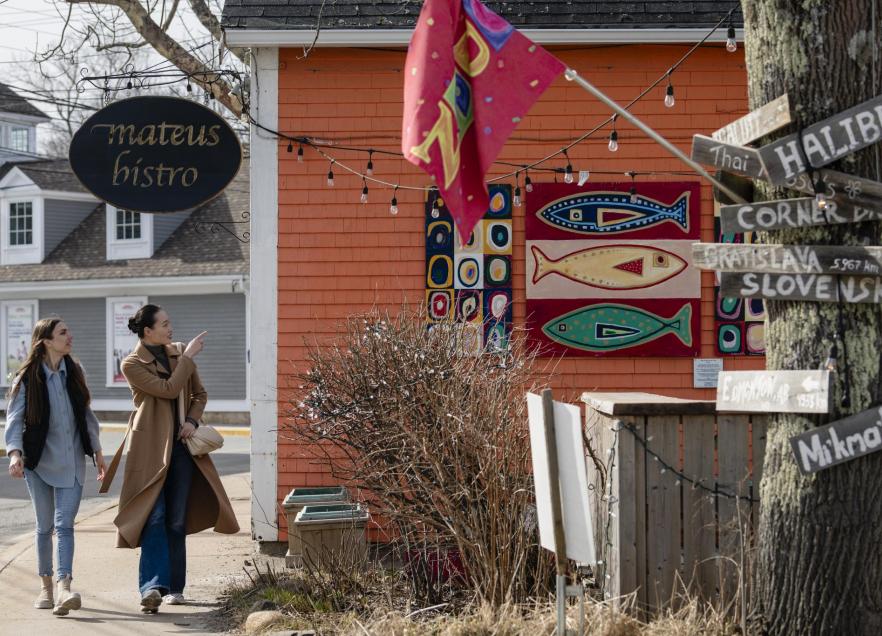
517,192
436,204
364,191
613,137
820,197
528,183
731,44
189,86
669,94
370,164
393,206
568,171
331,174
633,189
290,147
300,153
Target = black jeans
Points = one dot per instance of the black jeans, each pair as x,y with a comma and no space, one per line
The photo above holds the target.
163,563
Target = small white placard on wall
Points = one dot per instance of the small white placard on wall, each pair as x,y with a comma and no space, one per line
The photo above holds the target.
705,372
575,507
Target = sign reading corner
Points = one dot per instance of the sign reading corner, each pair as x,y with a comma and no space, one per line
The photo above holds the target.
155,154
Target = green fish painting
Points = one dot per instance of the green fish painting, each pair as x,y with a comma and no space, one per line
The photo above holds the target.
608,327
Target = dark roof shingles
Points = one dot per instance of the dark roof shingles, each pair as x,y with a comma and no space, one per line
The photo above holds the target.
54,174
551,14
12,102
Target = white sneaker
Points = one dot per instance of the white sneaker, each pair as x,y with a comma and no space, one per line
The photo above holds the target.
175,598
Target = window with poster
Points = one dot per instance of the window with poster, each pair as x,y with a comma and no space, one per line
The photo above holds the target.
120,341
17,320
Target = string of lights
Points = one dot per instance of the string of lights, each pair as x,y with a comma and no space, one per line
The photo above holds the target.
130,78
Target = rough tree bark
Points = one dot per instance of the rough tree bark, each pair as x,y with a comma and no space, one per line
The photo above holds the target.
819,565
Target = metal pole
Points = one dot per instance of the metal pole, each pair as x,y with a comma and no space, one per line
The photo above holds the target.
560,548
574,76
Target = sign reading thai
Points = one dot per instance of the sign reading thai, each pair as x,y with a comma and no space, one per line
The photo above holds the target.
825,288
839,442
731,158
788,213
756,124
824,142
789,259
774,391
155,154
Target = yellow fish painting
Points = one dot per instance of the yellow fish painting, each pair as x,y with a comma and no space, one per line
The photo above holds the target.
611,267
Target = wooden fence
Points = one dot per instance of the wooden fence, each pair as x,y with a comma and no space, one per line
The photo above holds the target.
676,503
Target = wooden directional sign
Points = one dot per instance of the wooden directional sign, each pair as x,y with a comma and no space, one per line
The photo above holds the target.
839,442
756,124
788,213
738,159
774,391
824,142
788,259
840,186
810,287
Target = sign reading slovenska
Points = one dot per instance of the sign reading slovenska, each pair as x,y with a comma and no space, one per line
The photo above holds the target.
839,442
774,391
825,288
155,154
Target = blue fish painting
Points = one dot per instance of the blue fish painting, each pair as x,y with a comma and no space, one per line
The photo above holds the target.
611,212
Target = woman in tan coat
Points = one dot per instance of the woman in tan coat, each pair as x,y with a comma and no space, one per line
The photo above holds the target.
166,492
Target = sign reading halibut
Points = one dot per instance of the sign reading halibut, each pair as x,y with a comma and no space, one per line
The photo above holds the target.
808,287
774,391
788,259
824,142
839,442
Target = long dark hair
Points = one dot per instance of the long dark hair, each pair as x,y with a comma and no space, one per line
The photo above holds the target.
31,374
143,318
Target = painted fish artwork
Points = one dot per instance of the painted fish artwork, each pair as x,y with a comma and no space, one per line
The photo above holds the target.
611,267
613,212
611,326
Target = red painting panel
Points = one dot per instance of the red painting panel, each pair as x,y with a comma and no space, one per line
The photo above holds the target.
615,327
657,210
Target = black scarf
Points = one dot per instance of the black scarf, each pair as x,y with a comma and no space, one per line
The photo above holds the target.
34,435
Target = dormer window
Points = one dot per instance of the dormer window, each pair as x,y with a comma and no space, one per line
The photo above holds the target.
21,223
128,225
19,138
129,234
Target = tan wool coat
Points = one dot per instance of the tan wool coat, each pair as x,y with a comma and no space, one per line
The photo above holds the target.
150,447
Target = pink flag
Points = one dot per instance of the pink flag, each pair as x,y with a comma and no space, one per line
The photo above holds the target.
469,79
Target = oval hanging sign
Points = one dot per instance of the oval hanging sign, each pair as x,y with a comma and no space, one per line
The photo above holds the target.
155,154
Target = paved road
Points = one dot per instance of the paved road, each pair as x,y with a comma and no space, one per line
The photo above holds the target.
17,516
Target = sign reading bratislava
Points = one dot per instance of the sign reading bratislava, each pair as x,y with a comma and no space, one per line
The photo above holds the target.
155,154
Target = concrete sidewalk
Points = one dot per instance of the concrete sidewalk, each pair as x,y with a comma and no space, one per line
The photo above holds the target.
107,578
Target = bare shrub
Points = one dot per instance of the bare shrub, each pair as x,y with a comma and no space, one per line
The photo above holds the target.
439,438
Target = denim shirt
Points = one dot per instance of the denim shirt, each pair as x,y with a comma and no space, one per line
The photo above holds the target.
63,458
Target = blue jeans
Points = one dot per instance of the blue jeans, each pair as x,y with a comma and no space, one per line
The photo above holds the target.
55,509
163,564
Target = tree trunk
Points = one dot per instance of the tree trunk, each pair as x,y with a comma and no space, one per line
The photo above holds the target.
819,567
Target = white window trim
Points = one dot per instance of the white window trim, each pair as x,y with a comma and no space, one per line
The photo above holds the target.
108,336
122,249
4,368
22,254
27,130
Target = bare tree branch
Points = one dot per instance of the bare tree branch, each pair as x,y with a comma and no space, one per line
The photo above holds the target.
212,25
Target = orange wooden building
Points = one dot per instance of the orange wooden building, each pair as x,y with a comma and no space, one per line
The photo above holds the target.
319,255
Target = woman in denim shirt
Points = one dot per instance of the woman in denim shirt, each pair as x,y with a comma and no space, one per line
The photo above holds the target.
50,428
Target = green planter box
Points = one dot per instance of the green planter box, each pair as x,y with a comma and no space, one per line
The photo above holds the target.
333,534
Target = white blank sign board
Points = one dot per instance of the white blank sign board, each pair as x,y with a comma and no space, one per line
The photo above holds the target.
578,532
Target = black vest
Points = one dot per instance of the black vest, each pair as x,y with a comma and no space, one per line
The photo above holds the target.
34,434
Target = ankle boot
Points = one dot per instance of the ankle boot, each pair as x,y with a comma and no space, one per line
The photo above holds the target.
65,599
45,600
